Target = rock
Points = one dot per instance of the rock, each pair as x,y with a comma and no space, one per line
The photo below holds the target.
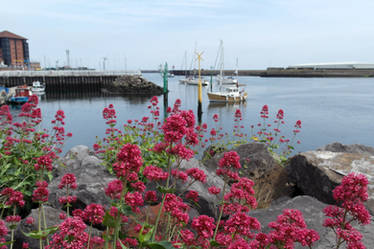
92,178
312,210
52,219
134,85
353,148
270,178
317,173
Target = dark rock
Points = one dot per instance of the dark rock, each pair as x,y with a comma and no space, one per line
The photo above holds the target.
52,219
353,148
270,178
317,173
312,210
92,178
134,85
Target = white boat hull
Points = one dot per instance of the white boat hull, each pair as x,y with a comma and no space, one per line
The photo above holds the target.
194,82
226,97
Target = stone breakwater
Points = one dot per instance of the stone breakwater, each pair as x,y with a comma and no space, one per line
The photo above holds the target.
306,184
134,85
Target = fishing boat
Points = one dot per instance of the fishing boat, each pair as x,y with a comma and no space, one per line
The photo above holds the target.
228,94
38,88
20,94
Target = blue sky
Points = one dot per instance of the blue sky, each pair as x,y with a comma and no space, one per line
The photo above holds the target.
141,34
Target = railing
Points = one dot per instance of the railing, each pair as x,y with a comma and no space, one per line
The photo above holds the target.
56,73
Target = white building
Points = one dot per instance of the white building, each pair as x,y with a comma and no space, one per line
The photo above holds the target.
337,65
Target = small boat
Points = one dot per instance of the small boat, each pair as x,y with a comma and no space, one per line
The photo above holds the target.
193,81
20,94
228,95
3,95
38,88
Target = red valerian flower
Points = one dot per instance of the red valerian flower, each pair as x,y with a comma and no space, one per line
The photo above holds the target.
94,213
197,174
193,195
69,181
204,226
174,128
230,160
13,197
150,196
214,190
40,194
280,114
129,160
114,189
154,173
71,234
238,114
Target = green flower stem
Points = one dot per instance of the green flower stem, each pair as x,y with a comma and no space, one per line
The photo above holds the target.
163,198
40,226
89,236
118,220
221,211
173,232
168,226
12,233
45,222
158,218
106,246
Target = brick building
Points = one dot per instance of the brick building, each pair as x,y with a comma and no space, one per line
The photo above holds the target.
14,50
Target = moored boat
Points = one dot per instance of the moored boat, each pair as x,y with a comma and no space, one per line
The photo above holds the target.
229,95
20,94
37,87
194,81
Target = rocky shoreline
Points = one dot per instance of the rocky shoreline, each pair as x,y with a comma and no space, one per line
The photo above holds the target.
305,183
132,85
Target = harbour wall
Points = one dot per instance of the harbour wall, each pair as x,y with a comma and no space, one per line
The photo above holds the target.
63,81
287,72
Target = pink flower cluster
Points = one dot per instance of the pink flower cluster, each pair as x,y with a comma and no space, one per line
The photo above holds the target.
241,197
71,234
351,194
12,197
153,173
40,194
290,227
94,213
129,159
196,174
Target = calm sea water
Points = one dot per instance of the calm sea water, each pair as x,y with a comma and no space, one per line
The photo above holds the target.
331,109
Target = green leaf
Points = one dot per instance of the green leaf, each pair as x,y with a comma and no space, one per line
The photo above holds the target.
145,237
214,243
165,190
41,234
7,243
109,220
160,245
122,245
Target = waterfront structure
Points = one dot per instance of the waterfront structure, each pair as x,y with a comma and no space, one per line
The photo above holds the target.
14,50
336,65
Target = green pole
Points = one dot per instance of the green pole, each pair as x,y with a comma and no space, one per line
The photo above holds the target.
166,78
166,91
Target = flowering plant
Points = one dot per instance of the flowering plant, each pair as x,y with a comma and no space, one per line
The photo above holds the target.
126,227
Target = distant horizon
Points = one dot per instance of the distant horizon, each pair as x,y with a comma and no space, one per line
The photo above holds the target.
143,34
